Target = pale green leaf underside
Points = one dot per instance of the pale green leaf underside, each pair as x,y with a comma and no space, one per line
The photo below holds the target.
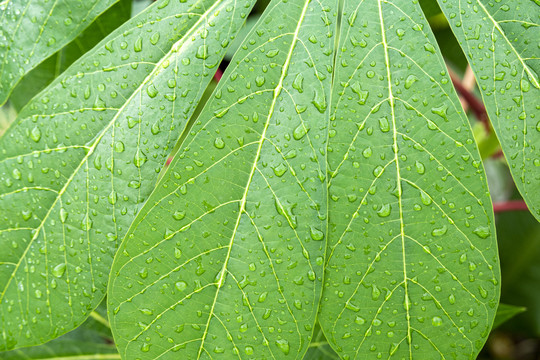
43,74
85,153
31,31
412,262
500,40
225,260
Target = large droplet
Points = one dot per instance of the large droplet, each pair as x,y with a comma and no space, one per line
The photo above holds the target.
283,345
482,231
139,159
316,234
59,270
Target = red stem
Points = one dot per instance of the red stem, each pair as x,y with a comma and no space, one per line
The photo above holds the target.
513,205
218,75
477,107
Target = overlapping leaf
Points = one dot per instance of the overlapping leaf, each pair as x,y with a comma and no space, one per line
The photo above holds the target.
225,260
31,31
412,262
41,76
86,152
90,341
500,40
319,348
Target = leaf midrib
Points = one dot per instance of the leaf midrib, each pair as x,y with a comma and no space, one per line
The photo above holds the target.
398,177
277,92
104,131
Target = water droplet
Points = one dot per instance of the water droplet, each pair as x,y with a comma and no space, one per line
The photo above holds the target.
420,168
411,79
202,52
152,91
138,45
482,231
384,124
316,234
35,134
300,132
181,285
439,231
367,152
179,215
436,321
139,159
219,143
298,83
430,48
375,292
441,111
280,170
59,270
385,210
147,311
283,345
63,215
119,146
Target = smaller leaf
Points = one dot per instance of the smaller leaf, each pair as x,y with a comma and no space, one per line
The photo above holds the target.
506,312
40,77
33,31
320,349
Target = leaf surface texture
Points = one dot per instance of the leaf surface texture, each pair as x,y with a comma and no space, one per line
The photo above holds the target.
31,31
412,268
226,258
500,40
84,155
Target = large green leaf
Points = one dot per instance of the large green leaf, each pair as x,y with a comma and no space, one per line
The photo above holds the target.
83,156
31,31
40,77
225,260
500,39
412,266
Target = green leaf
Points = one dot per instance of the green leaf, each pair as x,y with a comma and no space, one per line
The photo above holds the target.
90,341
226,258
40,77
84,155
500,40
506,312
412,268
320,349
33,31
